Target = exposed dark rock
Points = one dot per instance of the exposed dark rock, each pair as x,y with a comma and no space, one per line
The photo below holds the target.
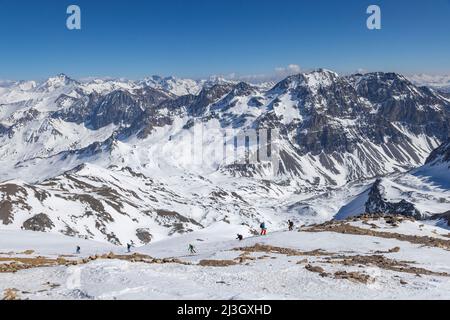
441,154
40,222
144,235
376,203
177,222
3,129
206,97
315,269
79,110
353,276
442,216
14,196
118,107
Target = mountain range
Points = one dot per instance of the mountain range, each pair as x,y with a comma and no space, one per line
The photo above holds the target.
110,160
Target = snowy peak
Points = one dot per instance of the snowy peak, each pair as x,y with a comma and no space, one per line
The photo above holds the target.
26,85
178,87
105,86
57,82
320,77
378,87
313,80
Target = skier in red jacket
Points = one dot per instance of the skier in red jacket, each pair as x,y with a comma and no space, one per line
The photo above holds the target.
263,229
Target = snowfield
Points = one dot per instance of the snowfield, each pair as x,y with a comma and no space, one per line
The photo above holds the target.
161,163
282,265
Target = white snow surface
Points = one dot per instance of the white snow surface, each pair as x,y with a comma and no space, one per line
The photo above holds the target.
133,179
268,276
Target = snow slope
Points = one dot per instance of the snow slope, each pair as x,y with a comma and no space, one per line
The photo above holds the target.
422,192
263,275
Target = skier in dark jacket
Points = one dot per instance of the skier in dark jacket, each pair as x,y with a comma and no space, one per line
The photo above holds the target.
191,249
128,247
240,237
291,225
78,250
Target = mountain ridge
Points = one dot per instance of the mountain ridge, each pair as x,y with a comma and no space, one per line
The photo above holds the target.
332,132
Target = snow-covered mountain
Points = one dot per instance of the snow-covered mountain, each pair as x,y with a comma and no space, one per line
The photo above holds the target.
421,193
112,160
173,85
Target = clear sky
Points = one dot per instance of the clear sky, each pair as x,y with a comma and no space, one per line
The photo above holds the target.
197,38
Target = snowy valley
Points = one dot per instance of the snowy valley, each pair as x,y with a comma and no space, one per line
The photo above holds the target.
101,163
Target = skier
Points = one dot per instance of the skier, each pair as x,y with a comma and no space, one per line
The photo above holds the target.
263,229
128,247
240,237
191,249
78,250
291,225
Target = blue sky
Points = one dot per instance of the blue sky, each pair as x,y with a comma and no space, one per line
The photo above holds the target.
197,38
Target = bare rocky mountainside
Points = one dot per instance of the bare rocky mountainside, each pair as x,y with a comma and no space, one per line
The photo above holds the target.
111,160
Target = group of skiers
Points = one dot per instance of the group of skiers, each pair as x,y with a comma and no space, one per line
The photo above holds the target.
264,228
191,247
240,237
78,248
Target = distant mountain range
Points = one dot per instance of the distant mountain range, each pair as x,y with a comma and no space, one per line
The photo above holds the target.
110,159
